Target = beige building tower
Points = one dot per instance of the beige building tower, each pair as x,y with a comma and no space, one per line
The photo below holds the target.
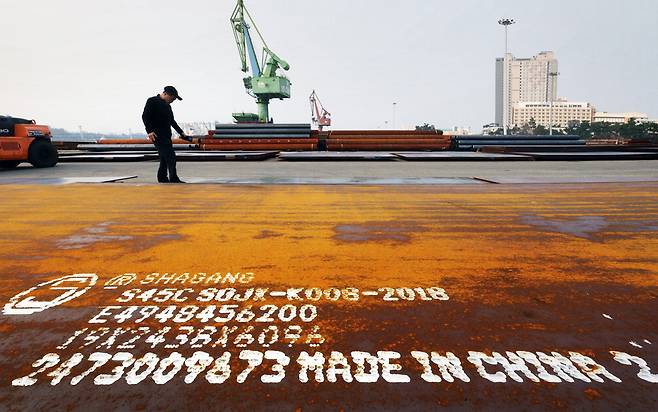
529,80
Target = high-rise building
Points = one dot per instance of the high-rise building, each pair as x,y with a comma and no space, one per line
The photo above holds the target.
528,80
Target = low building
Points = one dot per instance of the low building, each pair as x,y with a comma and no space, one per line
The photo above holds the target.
607,117
561,113
492,129
457,131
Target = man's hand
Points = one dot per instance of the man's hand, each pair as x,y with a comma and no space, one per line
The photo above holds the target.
151,136
186,138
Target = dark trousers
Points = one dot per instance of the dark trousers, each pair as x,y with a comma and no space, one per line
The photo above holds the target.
167,161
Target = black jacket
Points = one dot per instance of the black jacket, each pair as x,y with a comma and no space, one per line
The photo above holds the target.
159,119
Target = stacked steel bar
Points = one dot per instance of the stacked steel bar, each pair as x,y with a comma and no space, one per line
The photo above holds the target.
136,141
142,147
478,142
376,140
254,136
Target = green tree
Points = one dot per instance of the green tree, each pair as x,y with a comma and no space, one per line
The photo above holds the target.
632,129
651,131
540,130
530,127
605,130
582,129
516,130
426,127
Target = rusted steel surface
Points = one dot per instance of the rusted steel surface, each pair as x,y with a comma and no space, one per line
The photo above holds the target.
536,297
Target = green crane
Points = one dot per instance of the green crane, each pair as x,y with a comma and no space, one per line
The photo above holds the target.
264,83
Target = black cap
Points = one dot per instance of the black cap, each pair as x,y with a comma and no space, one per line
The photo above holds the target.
171,90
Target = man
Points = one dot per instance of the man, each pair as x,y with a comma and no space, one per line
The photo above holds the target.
159,119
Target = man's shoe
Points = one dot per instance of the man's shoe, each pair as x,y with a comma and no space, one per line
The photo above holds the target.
163,180
176,181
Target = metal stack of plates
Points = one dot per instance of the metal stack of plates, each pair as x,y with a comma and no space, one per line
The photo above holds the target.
451,156
594,155
258,136
477,142
336,156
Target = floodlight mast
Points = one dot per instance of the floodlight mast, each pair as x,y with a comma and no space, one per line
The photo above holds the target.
506,23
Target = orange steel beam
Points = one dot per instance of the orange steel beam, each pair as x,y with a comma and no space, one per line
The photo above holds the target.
396,137
386,146
138,141
260,146
382,132
257,141
538,279
387,140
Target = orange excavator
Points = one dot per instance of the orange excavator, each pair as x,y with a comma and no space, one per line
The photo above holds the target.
23,140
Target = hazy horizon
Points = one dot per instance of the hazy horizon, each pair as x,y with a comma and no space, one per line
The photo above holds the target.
93,64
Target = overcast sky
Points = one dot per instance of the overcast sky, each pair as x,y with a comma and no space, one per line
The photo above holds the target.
93,63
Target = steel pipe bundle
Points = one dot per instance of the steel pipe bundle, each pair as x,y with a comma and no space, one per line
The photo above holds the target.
261,131
374,140
255,136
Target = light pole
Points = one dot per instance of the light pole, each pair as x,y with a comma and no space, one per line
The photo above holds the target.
394,107
505,23
553,76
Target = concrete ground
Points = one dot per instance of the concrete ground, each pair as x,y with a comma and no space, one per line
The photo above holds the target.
271,170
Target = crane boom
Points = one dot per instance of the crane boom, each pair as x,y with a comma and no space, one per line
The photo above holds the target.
253,60
319,115
265,83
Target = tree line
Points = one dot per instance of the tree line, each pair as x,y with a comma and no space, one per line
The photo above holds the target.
597,130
